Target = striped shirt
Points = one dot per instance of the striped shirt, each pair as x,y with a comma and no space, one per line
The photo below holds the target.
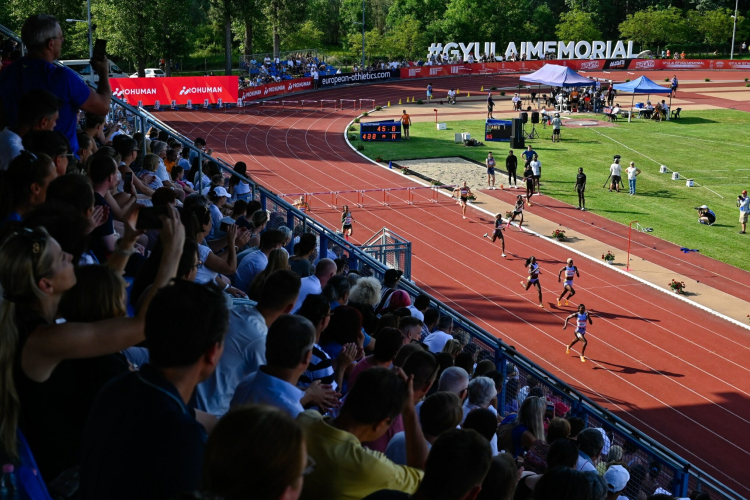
320,368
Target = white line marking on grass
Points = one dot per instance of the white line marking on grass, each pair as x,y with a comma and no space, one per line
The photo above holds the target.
704,140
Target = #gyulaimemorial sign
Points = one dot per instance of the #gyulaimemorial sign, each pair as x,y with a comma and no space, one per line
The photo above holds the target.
564,50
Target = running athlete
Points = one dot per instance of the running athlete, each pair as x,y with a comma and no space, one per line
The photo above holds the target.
533,278
464,192
346,222
581,318
517,210
498,232
429,92
490,162
570,272
528,176
301,205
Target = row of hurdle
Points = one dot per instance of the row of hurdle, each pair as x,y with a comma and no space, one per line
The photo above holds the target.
361,198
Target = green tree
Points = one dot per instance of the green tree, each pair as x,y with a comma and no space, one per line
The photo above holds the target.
374,45
15,12
715,26
305,37
175,19
325,14
577,25
131,30
284,16
406,39
542,23
653,27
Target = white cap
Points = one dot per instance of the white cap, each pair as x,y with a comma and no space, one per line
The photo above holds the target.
704,206
220,191
617,478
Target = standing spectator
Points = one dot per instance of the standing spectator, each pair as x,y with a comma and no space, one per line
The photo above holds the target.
390,283
324,270
536,168
437,339
632,172
743,202
245,349
288,346
511,165
43,38
347,471
556,124
145,415
616,171
37,110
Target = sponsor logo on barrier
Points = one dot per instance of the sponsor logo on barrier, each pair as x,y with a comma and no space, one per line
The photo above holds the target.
645,64
347,78
740,64
199,90
683,64
719,64
178,89
274,89
591,65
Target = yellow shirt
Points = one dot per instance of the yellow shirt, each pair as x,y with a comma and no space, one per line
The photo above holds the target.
345,470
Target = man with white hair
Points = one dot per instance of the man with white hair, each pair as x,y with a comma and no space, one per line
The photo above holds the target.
481,392
617,478
454,379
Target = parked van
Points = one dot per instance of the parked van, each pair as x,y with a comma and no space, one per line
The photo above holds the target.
83,68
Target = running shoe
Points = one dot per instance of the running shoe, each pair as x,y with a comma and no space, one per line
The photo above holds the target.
503,255
567,349
558,303
566,302
485,235
583,358
464,216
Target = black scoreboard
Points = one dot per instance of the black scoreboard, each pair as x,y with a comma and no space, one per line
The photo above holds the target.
497,130
380,131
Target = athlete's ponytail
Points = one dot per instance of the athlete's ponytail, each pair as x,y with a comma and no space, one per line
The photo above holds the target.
530,260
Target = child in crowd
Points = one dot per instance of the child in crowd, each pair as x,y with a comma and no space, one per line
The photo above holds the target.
150,164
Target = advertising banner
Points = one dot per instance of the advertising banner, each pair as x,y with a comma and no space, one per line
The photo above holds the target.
275,89
365,77
181,89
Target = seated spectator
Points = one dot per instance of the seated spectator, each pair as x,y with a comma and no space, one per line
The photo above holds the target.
145,415
364,296
86,148
347,471
288,351
148,169
277,259
300,261
345,327
324,270
337,291
562,453
53,144
453,348
431,317
43,38
217,198
562,483
24,185
255,262
93,126
437,339
256,224
396,300
483,421
421,304
454,380
481,393
245,349
531,382
617,478
68,227
518,436
590,444
536,458
389,342
483,367
37,110
614,455
390,283
466,361
439,412
501,479
178,178
240,188
410,328
255,452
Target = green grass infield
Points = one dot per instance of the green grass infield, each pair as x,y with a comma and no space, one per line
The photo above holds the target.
712,147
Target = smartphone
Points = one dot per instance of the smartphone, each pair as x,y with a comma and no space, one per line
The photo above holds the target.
127,178
223,227
148,217
550,411
100,47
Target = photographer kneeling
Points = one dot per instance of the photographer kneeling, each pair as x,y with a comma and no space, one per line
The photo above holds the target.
705,215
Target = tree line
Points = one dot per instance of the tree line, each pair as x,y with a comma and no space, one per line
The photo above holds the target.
143,32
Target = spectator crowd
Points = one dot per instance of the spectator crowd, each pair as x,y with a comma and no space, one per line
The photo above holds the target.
162,336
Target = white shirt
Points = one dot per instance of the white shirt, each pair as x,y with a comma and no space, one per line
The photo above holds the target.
745,205
467,408
616,169
204,275
631,172
244,352
437,340
161,171
310,286
584,465
416,313
536,167
263,388
249,268
11,146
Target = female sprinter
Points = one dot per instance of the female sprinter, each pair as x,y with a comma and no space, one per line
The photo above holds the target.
533,278
581,318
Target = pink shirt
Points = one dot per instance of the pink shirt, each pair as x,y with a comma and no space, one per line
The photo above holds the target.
359,368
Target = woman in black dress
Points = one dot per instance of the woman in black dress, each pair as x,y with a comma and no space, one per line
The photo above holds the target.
581,189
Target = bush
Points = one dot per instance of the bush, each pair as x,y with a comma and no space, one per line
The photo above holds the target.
746,79
365,114
502,92
378,108
493,88
627,80
360,147
747,85
352,128
379,159
356,120
420,102
666,79
708,79
353,137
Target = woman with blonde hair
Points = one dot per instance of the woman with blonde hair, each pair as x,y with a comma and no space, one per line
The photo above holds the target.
364,296
148,170
277,259
39,395
453,347
528,427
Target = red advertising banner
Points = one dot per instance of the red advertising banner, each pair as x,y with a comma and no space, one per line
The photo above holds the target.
574,64
274,89
177,88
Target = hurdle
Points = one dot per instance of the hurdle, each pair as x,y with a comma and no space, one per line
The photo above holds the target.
372,101
292,103
271,103
372,197
353,101
329,101
304,102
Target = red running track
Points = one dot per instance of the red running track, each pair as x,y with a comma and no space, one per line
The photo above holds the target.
668,368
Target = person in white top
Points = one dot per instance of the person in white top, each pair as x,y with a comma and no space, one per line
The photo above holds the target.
617,478
324,270
633,172
451,96
536,168
437,339
516,100
615,171
590,444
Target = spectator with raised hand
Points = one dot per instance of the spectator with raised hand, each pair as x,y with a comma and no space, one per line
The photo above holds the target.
43,38
145,415
257,452
288,352
364,296
389,342
245,349
455,469
27,324
345,327
438,413
255,262
437,339
37,110
24,185
324,271
590,444
347,471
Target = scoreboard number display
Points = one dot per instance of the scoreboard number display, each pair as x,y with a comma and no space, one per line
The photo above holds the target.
380,131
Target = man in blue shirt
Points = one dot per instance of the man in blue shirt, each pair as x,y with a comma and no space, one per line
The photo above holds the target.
142,440
528,155
43,37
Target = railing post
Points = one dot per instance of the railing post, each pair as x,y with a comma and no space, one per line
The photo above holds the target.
323,247
290,225
681,480
263,200
353,262
200,171
502,364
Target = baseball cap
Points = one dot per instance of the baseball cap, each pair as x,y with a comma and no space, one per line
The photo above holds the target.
744,192
704,206
220,191
392,275
617,478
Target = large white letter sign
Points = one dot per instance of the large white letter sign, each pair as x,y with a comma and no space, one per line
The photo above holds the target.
583,55
565,49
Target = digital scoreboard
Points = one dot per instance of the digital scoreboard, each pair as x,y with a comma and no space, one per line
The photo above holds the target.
380,131
498,130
